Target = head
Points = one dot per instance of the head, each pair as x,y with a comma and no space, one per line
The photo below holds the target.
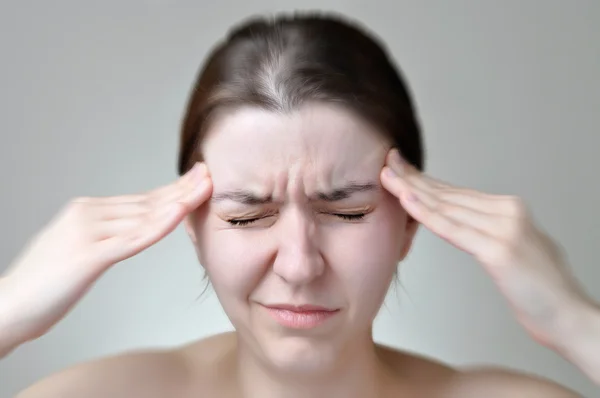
294,117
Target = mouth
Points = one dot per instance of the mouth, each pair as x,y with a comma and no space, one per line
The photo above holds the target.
300,316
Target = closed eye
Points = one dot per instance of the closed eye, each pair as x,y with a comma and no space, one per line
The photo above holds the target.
350,217
241,222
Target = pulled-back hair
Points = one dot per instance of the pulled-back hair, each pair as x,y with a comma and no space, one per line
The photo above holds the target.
282,62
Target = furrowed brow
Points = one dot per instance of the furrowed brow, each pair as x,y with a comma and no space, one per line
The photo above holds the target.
250,199
241,196
345,191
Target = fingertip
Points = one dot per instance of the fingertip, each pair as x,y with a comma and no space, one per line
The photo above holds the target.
393,157
202,168
198,171
390,181
207,188
202,192
388,172
193,169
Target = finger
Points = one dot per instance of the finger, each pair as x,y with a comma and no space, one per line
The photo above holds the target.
500,206
405,170
488,223
197,196
461,226
109,228
469,198
392,183
146,233
445,192
180,191
122,218
461,235
114,209
186,191
457,208
196,173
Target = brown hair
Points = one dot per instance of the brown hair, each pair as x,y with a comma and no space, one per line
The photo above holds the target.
279,63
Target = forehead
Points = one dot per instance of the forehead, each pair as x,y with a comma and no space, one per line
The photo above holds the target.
316,148
318,132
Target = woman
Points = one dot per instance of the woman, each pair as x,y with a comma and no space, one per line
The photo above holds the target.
302,190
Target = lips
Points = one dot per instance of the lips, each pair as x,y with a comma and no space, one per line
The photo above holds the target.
300,308
300,316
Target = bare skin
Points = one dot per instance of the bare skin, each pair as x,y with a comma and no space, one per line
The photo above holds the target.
34,297
207,368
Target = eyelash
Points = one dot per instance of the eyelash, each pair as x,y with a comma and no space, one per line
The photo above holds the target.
248,221
351,217
241,223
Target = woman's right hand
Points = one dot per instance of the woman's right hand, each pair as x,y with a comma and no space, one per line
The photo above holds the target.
84,240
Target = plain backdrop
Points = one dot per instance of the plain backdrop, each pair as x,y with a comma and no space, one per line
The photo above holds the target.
91,97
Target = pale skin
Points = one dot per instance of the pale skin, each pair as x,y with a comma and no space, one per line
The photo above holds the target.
92,234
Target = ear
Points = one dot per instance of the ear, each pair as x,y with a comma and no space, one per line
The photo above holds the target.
412,226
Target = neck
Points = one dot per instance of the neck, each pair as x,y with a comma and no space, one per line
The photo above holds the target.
358,372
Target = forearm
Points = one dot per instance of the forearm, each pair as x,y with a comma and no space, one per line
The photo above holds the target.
8,336
580,344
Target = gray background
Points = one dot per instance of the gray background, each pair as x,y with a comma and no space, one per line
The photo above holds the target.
90,102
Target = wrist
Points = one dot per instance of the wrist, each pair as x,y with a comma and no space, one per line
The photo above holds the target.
579,340
574,321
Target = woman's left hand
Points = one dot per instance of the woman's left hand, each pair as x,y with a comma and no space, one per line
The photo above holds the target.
526,264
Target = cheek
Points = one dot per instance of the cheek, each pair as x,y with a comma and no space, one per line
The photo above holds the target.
234,262
363,257
367,255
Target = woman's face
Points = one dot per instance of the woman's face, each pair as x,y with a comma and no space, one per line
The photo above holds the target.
298,218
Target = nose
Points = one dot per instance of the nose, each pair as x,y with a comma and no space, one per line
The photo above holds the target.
299,260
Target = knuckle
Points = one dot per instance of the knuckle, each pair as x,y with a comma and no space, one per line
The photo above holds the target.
515,225
146,204
150,200
512,234
515,207
444,208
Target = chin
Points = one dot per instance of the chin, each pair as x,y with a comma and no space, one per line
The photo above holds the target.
300,354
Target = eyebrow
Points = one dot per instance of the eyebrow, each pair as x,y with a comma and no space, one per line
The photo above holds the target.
243,197
346,191
251,199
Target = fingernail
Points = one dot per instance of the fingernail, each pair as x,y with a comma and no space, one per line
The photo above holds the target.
396,161
192,171
395,155
389,172
199,169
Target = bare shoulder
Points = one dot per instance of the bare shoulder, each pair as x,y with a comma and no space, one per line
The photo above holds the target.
203,366
494,382
134,374
212,361
434,378
424,376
